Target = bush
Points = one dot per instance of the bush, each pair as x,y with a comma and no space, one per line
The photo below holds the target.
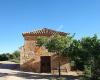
4,57
14,57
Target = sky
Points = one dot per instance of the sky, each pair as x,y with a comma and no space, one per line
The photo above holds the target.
73,16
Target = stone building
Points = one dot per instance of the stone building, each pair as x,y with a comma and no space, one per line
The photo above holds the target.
38,59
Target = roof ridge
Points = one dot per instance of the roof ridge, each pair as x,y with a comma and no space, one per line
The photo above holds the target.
44,31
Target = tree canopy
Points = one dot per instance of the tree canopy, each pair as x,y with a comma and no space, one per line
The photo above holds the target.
56,44
85,51
15,56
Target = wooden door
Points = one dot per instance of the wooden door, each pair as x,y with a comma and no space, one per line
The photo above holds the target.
45,64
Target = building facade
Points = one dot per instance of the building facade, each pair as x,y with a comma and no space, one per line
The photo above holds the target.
38,59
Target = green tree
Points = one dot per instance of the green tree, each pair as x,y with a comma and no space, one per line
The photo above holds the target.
4,57
56,44
87,50
41,41
16,54
91,45
74,52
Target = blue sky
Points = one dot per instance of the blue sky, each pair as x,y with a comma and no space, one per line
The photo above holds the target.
74,16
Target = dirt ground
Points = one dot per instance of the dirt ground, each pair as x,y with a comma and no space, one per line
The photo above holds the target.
11,71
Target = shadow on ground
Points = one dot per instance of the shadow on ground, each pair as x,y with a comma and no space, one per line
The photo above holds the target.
29,76
9,66
3,74
43,76
15,71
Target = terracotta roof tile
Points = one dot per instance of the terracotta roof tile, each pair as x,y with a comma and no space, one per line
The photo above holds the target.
44,31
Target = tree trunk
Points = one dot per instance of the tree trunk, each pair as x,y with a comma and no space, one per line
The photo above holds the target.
59,65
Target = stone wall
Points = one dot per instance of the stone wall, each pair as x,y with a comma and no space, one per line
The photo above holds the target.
30,57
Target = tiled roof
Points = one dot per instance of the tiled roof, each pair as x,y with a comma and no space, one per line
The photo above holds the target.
44,31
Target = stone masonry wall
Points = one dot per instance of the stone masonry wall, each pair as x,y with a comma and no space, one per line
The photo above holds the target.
30,57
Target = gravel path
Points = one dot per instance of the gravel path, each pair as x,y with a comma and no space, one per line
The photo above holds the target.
10,71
